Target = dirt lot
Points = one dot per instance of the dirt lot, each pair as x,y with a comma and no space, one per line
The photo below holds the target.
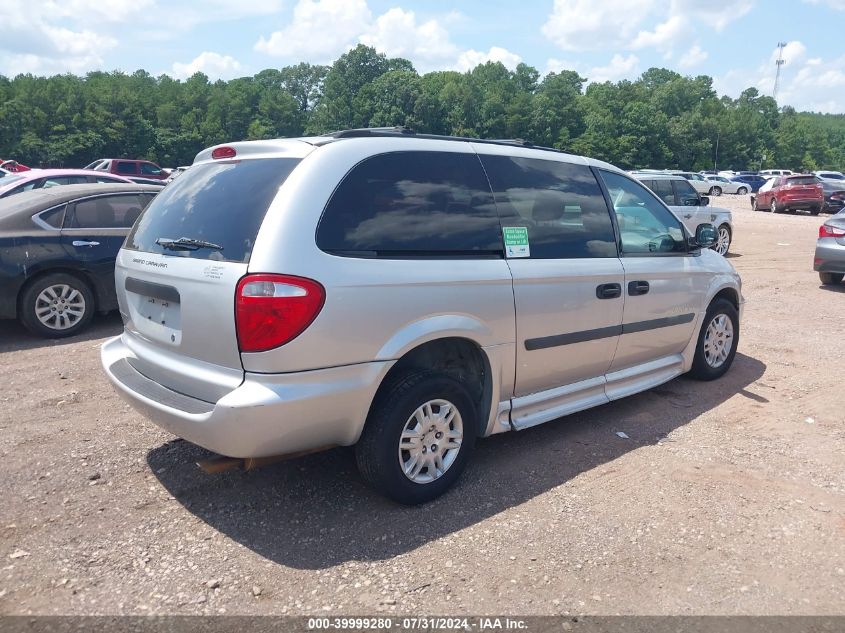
728,497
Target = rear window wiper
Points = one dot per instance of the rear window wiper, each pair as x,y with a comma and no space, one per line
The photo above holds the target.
186,244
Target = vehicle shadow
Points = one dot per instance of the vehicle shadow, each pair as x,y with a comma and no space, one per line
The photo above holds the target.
315,512
840,287
15,337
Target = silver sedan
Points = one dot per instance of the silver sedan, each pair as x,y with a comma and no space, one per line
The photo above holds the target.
830,250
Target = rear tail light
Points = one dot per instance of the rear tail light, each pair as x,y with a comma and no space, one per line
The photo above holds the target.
830,231
271,310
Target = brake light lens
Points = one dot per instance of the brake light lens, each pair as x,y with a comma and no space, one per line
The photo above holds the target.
271,310
830,231
223,152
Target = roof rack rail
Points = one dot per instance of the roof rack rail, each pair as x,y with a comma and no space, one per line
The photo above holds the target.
399,131
373,131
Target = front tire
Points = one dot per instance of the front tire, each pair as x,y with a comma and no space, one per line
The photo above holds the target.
717,341
742,191
418,438
715,191
57,305
831,279
723,243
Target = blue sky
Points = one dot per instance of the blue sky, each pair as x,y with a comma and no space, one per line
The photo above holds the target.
734,41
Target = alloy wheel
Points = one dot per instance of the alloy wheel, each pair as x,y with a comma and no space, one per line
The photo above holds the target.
59,306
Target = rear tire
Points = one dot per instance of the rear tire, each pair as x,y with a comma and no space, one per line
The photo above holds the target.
742,191
400,435
773,207
831,279
717,341
815,210
56,305
715,191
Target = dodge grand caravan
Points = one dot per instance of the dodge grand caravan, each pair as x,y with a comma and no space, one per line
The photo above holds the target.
406,294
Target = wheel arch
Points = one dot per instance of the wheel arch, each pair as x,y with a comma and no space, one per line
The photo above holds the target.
58,270
461,358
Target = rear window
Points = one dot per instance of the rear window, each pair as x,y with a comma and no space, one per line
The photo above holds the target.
222,203
802,180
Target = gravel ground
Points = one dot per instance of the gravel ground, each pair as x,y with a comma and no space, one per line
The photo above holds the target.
727,498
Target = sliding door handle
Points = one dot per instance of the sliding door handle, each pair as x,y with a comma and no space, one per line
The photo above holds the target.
637,288
609,291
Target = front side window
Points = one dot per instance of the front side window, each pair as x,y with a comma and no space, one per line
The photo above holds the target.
105,212
408,204
645,225
149,168
64,180
685,193
560,204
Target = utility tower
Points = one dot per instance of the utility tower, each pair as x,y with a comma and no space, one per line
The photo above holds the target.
778,63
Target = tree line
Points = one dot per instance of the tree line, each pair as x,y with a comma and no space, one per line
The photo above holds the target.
661,120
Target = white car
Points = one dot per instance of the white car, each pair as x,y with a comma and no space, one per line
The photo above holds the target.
827,174
776,172
729,186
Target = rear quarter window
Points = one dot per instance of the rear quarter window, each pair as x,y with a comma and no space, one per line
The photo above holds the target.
412,204
223,203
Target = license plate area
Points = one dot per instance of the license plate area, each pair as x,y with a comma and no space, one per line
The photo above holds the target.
155,310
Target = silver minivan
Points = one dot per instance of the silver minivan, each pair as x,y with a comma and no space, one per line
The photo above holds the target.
406,294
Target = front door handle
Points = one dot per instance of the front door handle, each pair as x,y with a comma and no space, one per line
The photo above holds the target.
688,216
84,243
609,291
637,288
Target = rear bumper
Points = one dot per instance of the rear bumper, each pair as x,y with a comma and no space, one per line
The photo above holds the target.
802,203
830,256
268,414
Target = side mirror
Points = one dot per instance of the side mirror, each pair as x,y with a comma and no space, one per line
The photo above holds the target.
705,201
705,236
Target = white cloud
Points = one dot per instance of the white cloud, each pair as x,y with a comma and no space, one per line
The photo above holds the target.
582,25
554,65
693,57
397,34
620,67
578,25
214,65
320,30
472,58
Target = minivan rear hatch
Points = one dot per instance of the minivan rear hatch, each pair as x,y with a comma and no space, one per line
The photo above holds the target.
177,273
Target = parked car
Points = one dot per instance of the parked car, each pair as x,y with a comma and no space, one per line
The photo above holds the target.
752,182
177,172
127,167
13,166
147,181
702,184
834,196
776,172
406,294
829,259
46,178
691,207
790,193
830,175
729,186
57,252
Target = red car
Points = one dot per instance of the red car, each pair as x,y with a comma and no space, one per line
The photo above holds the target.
130,168
790,193
13,166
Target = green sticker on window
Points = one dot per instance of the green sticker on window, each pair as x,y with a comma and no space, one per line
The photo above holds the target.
516,241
